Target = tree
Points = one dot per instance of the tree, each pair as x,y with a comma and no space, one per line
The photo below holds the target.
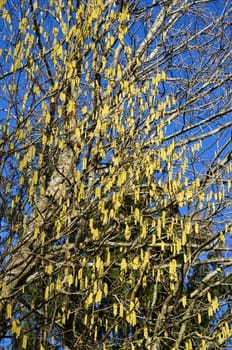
115,174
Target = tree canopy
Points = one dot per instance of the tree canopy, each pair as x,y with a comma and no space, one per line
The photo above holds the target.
115,175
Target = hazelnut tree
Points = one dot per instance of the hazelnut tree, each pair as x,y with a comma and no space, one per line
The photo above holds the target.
115,174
